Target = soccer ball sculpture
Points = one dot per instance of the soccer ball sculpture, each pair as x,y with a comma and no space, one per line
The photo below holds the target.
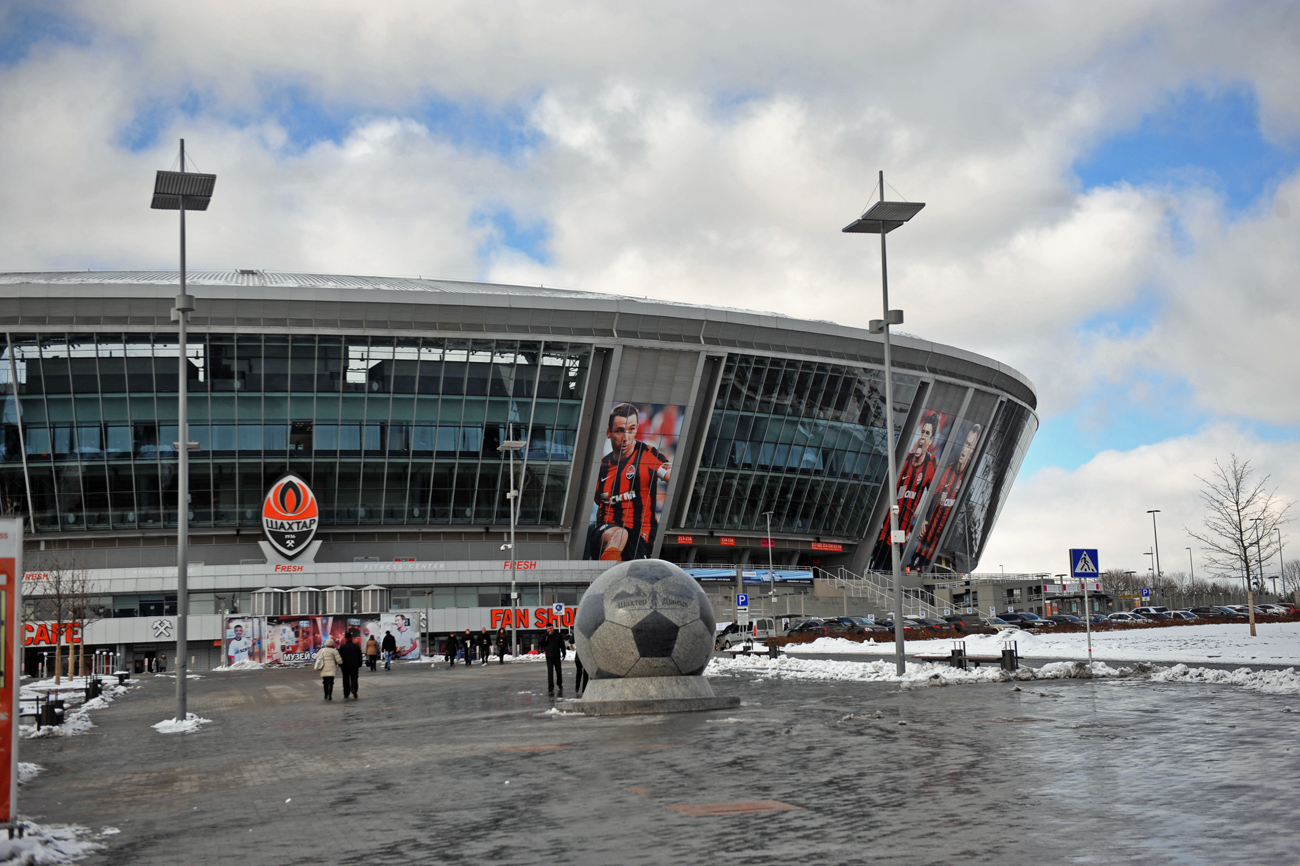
644,618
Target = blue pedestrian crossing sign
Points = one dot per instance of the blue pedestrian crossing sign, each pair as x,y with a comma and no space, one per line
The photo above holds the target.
1083,563
742,599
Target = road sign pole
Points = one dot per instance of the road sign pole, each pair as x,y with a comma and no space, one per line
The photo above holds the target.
1087,622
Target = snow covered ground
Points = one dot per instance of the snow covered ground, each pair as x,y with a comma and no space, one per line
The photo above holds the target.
923,674
47,844
1276,644
76,715
175,726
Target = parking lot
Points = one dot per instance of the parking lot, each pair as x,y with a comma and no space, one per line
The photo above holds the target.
470,766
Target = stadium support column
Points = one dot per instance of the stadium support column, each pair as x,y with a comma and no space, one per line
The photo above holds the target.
182,191
882,218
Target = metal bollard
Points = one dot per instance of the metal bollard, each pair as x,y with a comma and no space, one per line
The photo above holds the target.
958,657
1010,659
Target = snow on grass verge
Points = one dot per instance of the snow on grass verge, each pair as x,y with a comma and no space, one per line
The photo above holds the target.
175,726
1277,643
244,665
921,674
76,719
46,844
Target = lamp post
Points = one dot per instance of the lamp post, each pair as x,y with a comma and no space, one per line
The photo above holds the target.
771,582
1281,563
882,218
1191,570
182,191
510,446
1155,536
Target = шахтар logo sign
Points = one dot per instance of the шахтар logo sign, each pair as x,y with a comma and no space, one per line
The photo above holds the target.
290,516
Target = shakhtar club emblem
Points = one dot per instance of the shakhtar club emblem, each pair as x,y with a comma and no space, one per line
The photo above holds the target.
290,516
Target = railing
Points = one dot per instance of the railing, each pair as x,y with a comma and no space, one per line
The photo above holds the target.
879,590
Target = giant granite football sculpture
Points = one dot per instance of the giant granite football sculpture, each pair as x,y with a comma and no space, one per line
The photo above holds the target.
645,631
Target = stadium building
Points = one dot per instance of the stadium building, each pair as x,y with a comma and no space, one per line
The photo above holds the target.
349,457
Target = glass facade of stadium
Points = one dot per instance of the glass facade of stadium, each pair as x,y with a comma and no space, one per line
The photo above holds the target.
391,399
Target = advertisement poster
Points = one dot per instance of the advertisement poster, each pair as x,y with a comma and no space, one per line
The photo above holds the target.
945,494
640,442
11,550
277,640
914,478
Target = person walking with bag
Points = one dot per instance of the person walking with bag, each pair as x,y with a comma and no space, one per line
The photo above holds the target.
351,665
328,662
372,653
468,644
390,647
502,637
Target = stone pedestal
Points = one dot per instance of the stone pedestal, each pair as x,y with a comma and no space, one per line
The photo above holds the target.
648,695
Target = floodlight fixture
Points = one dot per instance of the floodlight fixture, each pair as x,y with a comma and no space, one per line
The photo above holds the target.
884,216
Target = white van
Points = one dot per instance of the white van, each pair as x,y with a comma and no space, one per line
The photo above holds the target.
759,627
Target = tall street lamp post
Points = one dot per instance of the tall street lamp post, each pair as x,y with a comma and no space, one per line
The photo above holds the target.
1281,563
882,218
1155,536
1191,569
771,582
511,446
182,191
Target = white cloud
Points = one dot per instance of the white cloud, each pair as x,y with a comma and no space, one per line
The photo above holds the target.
1103,503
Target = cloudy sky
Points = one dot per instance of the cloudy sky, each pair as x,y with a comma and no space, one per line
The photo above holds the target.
1113,189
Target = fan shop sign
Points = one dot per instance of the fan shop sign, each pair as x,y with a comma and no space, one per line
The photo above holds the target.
540,617
49,633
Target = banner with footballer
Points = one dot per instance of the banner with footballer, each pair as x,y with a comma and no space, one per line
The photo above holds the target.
915,476
944,496
632,482
276,640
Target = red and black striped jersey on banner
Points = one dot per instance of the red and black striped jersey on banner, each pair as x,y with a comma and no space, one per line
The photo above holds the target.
945,498
626,489
912,482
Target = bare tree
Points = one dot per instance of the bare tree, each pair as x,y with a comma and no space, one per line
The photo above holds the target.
60,596
1238,530
1291,577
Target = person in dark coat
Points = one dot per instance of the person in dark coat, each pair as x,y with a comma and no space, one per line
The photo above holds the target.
389,646
350,652
450,649
467,643
580,678
553,646
484,646
503,638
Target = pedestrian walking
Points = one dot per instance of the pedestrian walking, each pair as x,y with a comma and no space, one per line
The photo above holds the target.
328,662
468,643
502,637
450,649
372,653
553,646
351,665
484,646
389,647
580,678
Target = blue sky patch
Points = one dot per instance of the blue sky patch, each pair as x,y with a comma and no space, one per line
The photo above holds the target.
508,231
23,26
1196,138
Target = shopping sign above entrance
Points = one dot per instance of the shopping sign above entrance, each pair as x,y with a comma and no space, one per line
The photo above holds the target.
1083,562
290,516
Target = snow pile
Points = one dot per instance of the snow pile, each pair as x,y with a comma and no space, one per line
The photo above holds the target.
1284,682
46,844
243,665
27,772
1276,643
556,711
174,726
76,719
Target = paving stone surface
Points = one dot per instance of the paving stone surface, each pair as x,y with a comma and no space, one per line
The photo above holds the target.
417,772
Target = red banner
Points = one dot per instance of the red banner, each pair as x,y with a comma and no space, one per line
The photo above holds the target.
828,546
727,541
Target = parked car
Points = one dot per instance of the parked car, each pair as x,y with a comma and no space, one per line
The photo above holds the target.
1225,610
758,629
1065,619
1098,619
861,624
1205,611
925,622
1154,616
1287,606
997,622
1028,620
1148,609
808,626
1182,615
1274,609
1124,619
1244,610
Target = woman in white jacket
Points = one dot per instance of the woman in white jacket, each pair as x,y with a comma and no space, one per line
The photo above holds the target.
328,662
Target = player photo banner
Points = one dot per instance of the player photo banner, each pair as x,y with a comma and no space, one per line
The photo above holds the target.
632,481
915,475
945,493
281,640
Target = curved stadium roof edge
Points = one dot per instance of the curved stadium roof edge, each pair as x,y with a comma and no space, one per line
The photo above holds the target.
240,286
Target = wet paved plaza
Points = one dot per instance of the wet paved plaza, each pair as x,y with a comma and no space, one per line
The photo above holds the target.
465,766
